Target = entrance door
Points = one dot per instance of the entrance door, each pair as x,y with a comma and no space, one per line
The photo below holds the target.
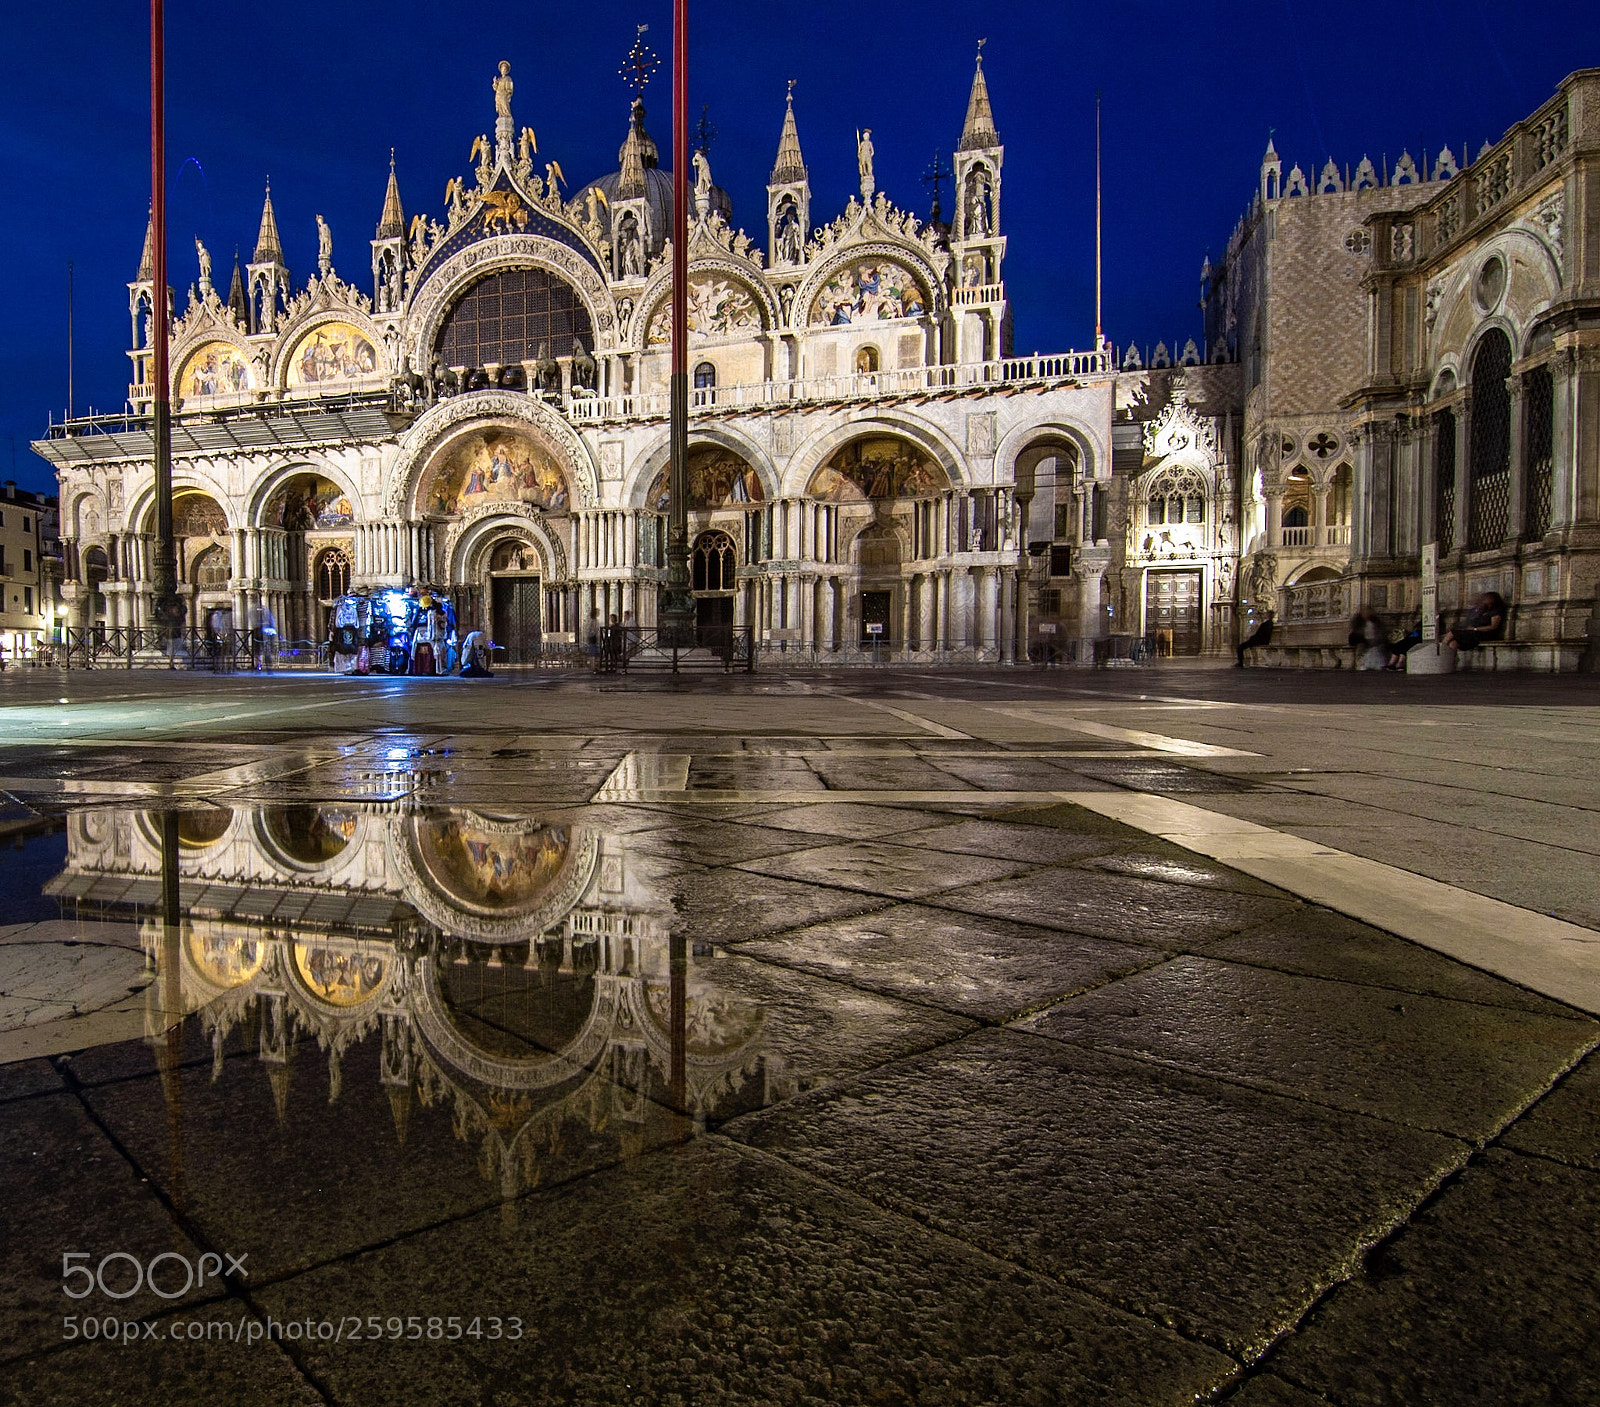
876,607
714,621
1172,610
516,617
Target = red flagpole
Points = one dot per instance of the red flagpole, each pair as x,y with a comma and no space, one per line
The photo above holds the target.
678,608
164,565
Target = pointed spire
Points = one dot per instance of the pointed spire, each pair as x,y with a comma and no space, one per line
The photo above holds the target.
147,260
978,130
238,304
269,248
790,165
630,184
392,223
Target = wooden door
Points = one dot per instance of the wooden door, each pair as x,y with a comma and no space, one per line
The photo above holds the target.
1172,604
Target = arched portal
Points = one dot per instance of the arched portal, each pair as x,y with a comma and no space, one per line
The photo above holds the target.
877,560
204,551
304,520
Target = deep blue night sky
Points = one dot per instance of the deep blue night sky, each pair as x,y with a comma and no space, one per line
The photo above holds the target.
314,95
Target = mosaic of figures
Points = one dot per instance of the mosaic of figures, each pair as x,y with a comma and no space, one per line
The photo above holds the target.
718,307
215,369
310,835
718,478
496,466
335,351
872,290
307,502
500,868
342,975
877,468
197,515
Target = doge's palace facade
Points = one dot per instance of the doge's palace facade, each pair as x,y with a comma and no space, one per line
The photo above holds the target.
869,463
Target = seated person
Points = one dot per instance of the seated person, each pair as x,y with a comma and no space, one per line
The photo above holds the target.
1484,622
1261,635
475,657
1370,637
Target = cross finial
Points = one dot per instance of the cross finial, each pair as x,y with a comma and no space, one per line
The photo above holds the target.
981,43
704,132
792,82
640,65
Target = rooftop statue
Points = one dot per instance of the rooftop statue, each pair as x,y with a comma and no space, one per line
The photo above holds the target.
864,154
502,90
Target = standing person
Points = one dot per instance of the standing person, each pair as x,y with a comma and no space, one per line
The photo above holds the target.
267,640
1258,638
591,640
612,653
630,633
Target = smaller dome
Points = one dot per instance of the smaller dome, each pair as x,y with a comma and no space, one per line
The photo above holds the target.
639,170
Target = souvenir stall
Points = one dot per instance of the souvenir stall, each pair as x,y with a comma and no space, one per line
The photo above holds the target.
394,631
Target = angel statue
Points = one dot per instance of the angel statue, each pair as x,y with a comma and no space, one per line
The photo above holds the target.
864,155
527,147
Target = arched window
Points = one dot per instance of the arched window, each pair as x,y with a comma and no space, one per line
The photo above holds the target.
1488,508
1296,517
1444,480
212,568
1538,436
712,563
513,316
705,377
333,575
866,361
1176,495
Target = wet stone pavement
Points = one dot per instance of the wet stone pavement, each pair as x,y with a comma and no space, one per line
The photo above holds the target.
509,1067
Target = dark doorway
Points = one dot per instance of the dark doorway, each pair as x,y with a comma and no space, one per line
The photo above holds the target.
1172,611
516,617
714,621
875,610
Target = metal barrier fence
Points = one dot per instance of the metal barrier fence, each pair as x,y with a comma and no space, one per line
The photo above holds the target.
150,647
628,649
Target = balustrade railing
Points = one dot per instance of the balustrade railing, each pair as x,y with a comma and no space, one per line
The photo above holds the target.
1011,371
1297,537
1316,601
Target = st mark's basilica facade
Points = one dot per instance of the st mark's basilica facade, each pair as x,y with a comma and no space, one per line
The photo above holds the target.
871,466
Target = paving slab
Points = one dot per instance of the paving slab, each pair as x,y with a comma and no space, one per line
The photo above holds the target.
1318,943
67,1188
896,871
730,905
983,967
1565,1124
1003,840
1221,1210
1492,1295
714,1274
218,1364
1453,1067
851,820
1134,910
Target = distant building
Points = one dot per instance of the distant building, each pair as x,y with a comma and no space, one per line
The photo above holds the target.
29,570
871,467
1421,367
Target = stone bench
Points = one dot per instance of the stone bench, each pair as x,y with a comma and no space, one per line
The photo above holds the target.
1301,657
1531,656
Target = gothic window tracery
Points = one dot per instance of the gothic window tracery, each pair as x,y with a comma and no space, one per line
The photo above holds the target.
333,575
712,565
1176,495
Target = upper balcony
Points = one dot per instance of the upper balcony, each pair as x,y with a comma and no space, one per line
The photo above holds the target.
301,422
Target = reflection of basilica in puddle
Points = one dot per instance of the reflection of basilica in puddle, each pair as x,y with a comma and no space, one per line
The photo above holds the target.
520,973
